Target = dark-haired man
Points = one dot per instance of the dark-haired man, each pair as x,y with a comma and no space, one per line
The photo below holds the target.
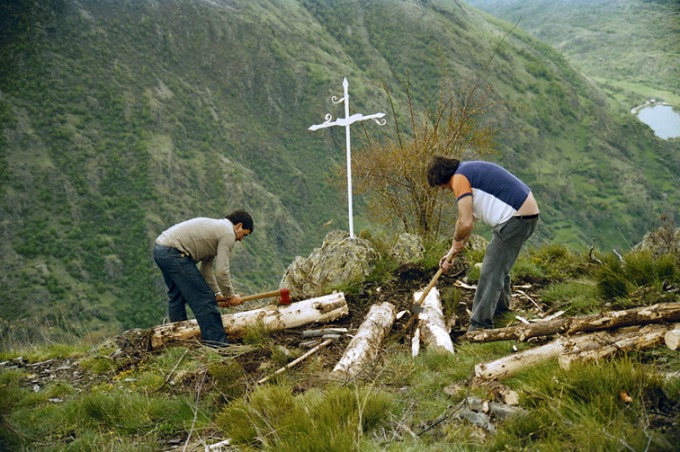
489,192
209,242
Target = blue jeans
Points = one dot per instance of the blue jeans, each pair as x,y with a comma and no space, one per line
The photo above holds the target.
187,285
493,289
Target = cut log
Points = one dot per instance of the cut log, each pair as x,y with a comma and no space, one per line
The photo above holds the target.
367,341
432,326
604,344
658,313
672,337
322,309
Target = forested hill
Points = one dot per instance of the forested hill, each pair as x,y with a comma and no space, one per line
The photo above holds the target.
120,118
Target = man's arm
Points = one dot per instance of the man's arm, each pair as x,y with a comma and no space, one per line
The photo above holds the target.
464,226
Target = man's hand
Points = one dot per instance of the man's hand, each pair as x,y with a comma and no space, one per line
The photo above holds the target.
234,300
446,262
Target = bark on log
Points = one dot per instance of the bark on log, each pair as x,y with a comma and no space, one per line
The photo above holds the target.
658,313
672,337
322,309
604,344
432,326
365,345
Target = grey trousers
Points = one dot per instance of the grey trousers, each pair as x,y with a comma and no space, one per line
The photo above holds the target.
493,289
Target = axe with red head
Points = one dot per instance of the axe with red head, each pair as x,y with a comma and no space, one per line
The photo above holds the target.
284,299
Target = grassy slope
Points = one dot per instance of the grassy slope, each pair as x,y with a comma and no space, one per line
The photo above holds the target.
116,397
121,118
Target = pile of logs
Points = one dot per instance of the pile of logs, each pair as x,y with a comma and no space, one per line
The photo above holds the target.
585,338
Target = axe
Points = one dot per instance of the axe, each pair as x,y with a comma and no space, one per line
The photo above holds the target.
416,307
283,293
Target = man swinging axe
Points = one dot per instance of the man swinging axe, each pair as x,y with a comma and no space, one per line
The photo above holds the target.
488,192
208,242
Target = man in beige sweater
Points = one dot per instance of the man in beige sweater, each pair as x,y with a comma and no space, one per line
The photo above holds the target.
209,242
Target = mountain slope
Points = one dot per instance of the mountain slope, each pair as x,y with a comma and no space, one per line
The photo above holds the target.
629,44
121,118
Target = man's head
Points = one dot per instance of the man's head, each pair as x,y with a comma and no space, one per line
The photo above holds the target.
243,223
440,170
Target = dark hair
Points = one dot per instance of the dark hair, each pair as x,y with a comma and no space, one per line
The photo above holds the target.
440,170
243,217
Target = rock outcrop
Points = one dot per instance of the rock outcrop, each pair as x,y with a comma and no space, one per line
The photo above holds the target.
340,260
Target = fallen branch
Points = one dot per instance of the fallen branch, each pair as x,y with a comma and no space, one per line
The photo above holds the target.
597,345
604,345
322,332
296,361
658,313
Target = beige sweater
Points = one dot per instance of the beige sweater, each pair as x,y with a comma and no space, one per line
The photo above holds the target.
208,241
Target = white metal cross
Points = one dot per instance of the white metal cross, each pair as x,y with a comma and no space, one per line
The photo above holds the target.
346,122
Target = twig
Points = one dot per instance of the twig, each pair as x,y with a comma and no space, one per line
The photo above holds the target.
195,409
167,379
296,361
530,299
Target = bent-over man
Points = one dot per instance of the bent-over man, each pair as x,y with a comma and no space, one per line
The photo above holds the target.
207,241
488,192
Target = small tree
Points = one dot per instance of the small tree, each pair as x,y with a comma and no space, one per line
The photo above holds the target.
392,173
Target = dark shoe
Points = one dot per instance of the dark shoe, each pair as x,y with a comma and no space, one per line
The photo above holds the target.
214,344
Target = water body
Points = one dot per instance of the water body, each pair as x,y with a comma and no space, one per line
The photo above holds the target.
662,119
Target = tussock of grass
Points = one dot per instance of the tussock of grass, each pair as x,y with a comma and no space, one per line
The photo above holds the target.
586,408
576,297
332,420
618,278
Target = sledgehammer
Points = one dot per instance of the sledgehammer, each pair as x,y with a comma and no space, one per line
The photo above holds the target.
284,300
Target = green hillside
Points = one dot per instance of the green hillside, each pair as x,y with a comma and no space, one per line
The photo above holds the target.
627,45
121,118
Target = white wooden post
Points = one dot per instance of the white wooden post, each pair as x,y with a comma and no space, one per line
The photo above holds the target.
347,121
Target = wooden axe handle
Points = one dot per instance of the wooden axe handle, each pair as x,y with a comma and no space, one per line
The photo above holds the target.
424,294
257,296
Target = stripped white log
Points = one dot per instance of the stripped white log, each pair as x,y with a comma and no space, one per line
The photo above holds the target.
322,309
672,337
511,365
367,341
597,346
432,325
